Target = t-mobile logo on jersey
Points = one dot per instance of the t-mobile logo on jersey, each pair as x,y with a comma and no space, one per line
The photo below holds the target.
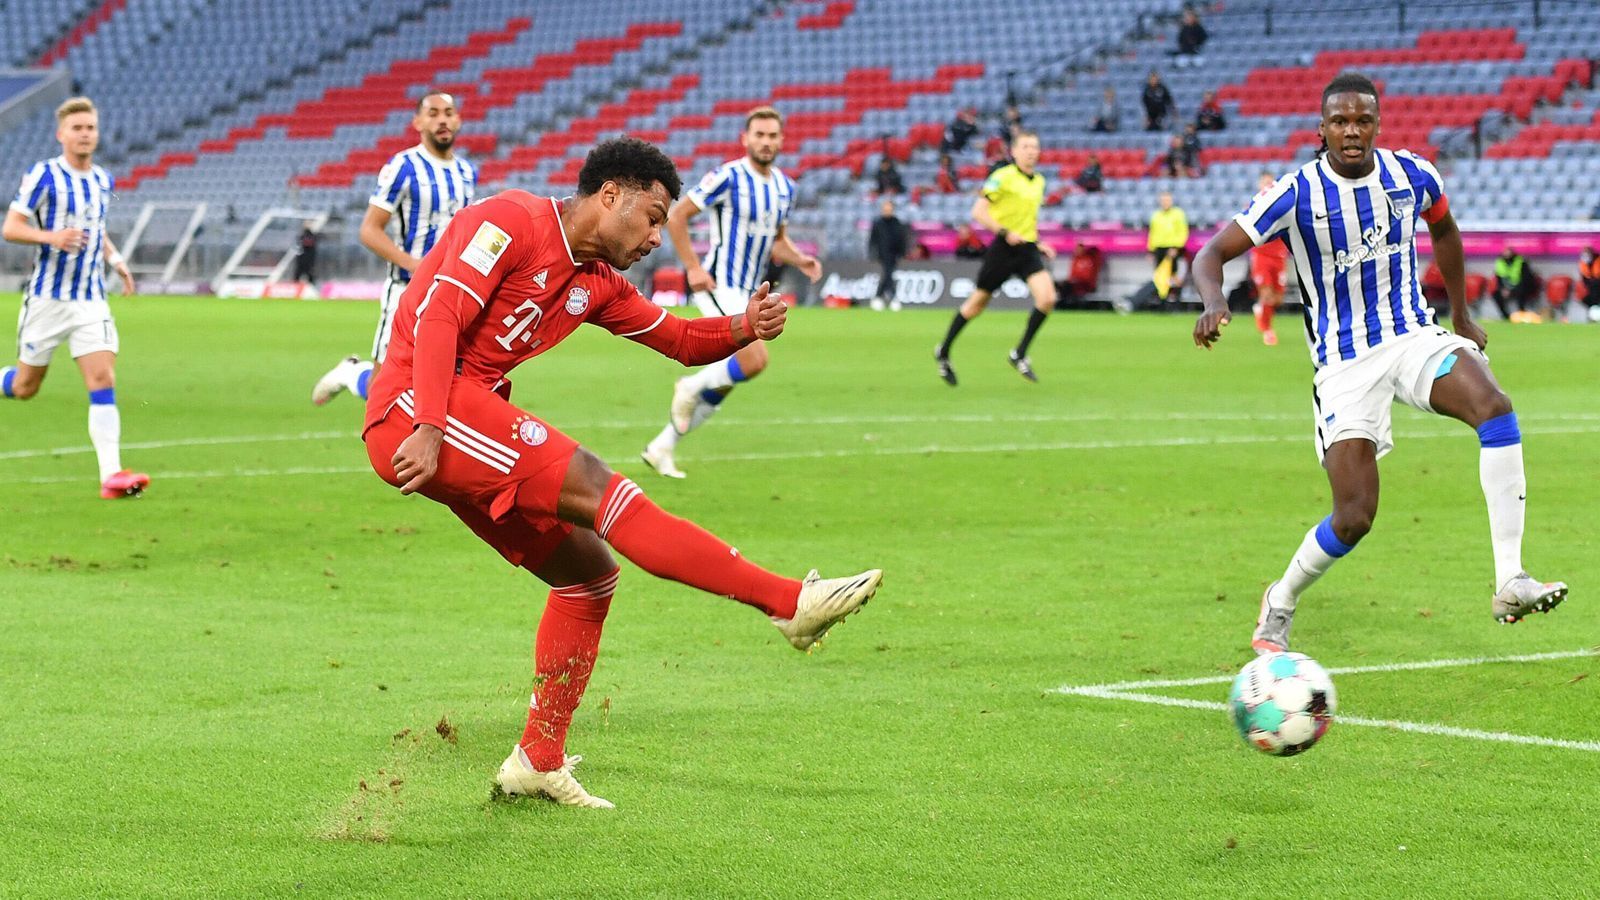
521,329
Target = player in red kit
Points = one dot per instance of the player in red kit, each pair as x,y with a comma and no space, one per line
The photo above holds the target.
1269,265
511,278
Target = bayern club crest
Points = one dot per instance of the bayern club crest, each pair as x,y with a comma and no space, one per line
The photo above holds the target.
531,431
577,300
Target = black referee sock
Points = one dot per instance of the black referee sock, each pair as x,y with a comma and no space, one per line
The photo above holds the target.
1035,319
956,324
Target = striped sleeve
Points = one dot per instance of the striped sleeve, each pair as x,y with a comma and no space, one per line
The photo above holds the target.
712,188
393,181
469,182
1430,197
1271,213
31,193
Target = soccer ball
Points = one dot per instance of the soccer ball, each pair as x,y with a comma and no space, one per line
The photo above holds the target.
1282,703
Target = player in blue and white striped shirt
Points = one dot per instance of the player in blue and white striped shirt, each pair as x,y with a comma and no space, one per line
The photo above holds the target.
420,191
1349,218
61,207
749,200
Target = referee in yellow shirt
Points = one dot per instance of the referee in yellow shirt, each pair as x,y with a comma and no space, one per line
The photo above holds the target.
1008,206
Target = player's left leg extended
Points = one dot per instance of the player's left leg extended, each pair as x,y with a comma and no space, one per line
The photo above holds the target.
1465,389
1043,289
593,496
105,426
1352,466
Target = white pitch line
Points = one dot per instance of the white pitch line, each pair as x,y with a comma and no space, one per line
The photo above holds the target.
960,419
186,442
1504,737
846,453
213,473
1463,662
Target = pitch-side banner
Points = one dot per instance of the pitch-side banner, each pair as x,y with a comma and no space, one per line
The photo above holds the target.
931,282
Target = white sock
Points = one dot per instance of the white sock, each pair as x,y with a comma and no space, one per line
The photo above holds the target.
1317,554
105,433
358,374
1505,489
714,377
666,440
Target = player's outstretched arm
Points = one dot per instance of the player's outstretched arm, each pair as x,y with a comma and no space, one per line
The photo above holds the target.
764,317
1451,257
1206,272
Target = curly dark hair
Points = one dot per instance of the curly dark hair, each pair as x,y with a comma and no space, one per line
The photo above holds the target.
631,163
1350,83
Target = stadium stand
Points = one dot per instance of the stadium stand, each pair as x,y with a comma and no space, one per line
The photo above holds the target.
300,101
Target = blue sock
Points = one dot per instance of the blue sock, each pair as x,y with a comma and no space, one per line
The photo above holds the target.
362,380
103,397
7,375
736,371
1500,431
1329,542
714,398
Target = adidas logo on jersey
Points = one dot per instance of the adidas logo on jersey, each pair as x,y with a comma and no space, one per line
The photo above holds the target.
539,279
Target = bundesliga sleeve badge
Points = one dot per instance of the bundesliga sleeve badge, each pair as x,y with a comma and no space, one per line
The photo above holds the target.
486,247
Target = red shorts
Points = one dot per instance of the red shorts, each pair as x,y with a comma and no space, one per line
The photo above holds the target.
500,470
1267,271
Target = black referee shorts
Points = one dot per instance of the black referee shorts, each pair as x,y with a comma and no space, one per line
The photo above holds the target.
1004,260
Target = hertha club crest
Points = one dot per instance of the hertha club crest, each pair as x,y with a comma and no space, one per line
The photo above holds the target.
530,431
577,300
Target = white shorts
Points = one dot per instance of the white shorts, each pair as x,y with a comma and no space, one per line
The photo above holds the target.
85,325
1354,398
721,301
388,306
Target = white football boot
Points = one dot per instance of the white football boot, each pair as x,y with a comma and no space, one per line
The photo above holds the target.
1272,627
660,459
823,602
1524,594
517,778
335,382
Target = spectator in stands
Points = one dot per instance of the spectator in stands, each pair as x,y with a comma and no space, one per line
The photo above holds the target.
1514,281
1083,277
1209,117
959,132
305,254
996,153
1092,179
1171,163
1157,102
948,180
1191,37
1169,233
968,244
887,243
1010,123
889,180
1109,117
1589,277
1191,151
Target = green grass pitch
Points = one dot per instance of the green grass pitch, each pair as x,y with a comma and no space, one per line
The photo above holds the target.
274,676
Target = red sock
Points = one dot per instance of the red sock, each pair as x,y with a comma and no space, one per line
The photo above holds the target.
564,653
669,547
1264,317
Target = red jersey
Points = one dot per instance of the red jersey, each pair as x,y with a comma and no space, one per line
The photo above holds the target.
502,287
